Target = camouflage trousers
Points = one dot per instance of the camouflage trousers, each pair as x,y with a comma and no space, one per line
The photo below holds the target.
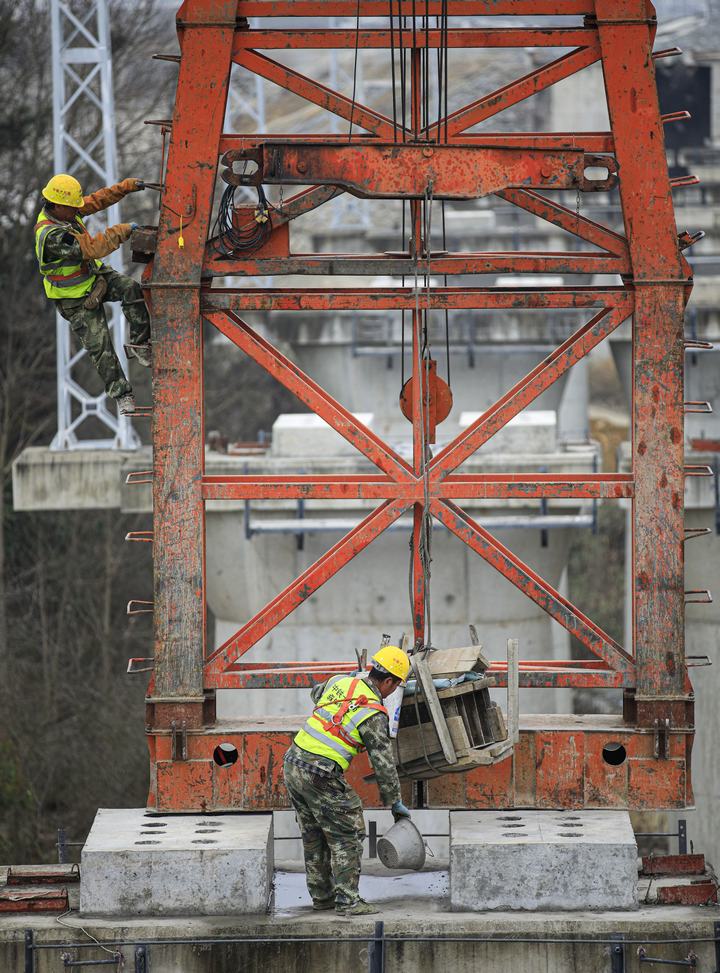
91,328
331,822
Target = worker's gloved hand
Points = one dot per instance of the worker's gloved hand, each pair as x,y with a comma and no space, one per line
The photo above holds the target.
399,811
103,243
130,185
133,226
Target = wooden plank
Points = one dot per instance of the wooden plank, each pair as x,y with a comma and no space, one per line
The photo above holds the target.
487,682
474,686
497,722
414,742
424,678
418,769
453,662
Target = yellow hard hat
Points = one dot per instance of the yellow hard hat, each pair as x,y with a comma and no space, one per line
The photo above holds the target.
393,660
65,190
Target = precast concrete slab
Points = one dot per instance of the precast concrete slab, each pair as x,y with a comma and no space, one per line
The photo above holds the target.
542,860
138,864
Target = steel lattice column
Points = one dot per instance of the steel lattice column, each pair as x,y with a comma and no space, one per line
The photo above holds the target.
178,429
658,351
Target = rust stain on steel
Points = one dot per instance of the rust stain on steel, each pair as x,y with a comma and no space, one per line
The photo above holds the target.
551,767
355,298
519,574
177,427
336,39
453,264
299,590
406,170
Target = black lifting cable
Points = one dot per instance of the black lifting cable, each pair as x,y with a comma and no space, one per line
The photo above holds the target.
228,239
355,67
403,110
392,70
442,124
402,24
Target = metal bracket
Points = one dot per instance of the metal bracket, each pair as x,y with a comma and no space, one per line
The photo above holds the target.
376,953
617,954
690,960
682,836
179,740
662,739
30,950
139,606
141,959
140,665
116,960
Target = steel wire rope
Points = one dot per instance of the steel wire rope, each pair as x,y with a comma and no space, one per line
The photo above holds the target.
442,123
402,52
426,533
424,420
355,67
426,72
392,70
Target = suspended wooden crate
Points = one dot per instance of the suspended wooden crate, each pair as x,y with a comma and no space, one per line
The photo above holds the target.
454,728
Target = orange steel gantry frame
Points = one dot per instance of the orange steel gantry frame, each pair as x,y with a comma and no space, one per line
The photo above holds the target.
560,761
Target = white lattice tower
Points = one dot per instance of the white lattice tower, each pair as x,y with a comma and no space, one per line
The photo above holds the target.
84,146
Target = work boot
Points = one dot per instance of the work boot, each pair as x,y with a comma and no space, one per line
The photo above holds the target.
126,404
322,905
357,908
143,353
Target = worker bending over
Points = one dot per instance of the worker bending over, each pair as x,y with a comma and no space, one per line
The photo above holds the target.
77,280
349,717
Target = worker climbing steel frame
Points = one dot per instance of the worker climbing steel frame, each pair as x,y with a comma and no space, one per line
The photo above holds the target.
559,761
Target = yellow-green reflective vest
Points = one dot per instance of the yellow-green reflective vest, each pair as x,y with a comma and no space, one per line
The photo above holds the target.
333,729
62,279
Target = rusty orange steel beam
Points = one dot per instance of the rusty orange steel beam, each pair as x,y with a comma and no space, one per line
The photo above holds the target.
403,298
310,393
566,219
404,170
373,121
516,91
528,389
489,486
601,142
452,265
303,587
373,38
431,8
536,588
569,678
658,352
